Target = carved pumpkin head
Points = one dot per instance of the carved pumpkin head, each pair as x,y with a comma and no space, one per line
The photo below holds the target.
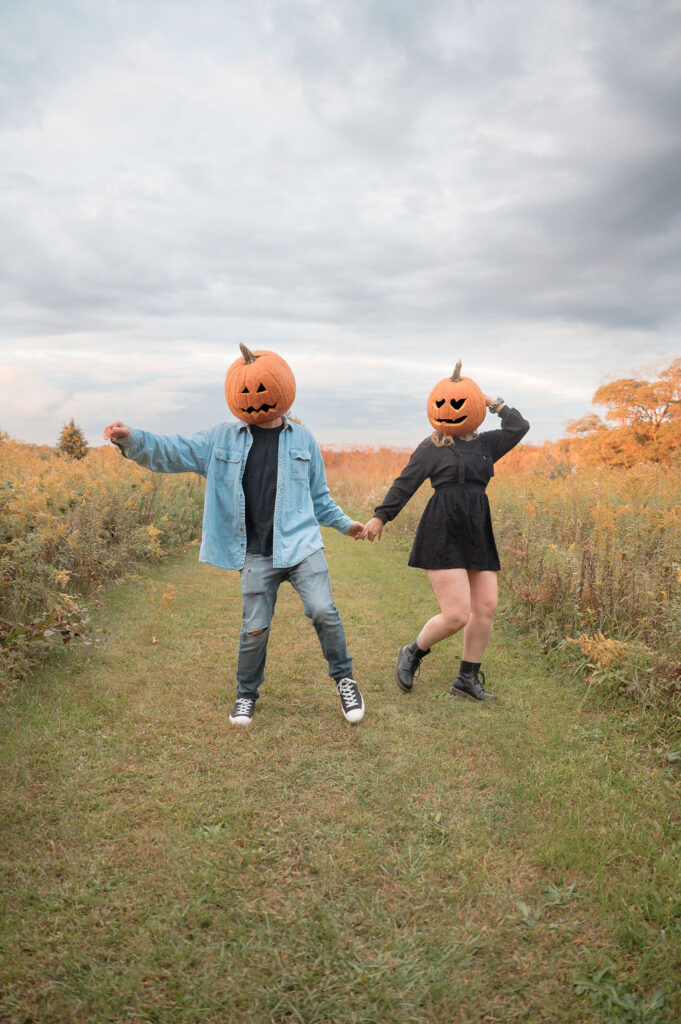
259,386
456,405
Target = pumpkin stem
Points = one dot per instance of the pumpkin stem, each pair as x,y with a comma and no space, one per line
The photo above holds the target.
247,354
456,376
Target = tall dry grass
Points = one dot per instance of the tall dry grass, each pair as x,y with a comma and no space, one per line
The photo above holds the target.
594,555
67,527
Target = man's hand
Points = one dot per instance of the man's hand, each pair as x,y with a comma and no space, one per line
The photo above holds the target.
116,431
373,529
356,531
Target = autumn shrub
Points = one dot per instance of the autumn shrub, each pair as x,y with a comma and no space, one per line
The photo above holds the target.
592,563
67,527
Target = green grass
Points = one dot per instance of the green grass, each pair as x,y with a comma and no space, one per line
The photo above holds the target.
440,862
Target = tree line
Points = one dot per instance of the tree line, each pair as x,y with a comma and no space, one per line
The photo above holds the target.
642,423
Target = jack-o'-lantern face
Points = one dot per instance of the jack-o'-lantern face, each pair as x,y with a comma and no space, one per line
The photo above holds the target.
456,405
259,386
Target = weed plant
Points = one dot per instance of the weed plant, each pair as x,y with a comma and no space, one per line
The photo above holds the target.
67,527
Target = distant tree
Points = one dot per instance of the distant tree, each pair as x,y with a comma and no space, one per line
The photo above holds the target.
588,424
4,436
645,417
72,443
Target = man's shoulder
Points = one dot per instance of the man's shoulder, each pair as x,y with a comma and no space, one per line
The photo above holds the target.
228,430
301,434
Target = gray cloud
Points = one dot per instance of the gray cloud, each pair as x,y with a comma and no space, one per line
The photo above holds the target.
361,179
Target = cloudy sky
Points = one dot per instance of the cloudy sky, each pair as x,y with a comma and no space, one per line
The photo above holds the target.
374,188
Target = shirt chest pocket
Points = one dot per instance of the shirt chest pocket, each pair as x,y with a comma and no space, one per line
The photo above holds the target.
300,464
227,464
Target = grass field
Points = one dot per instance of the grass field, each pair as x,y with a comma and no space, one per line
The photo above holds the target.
440,862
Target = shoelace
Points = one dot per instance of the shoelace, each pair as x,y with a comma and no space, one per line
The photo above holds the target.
476,681
243,705
415,662
346,689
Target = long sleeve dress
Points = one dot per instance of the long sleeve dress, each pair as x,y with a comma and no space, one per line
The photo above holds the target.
455,531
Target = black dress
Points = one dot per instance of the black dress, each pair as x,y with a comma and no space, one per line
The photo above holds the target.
455,531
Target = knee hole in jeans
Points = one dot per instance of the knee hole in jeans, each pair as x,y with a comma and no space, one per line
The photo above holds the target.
257,632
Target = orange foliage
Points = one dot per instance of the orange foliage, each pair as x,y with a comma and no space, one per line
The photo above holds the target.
646,418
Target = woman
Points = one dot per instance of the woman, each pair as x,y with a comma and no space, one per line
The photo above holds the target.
454,541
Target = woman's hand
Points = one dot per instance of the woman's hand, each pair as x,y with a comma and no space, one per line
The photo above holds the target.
493,404
116,431
373,529
356,531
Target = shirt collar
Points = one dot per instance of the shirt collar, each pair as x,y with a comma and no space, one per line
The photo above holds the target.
288,425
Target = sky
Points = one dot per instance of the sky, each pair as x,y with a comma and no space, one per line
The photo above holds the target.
372,188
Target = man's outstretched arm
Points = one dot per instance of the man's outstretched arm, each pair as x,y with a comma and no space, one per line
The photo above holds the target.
160,453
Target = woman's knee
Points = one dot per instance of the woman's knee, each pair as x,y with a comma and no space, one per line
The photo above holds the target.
486,608
455,619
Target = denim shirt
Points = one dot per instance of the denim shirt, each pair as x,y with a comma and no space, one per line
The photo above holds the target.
219,453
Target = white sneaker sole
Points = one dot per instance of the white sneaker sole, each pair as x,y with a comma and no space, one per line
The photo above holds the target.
240,721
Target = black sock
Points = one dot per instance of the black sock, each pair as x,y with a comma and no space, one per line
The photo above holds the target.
469,668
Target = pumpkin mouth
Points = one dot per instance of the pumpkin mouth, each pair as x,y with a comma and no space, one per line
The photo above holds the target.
441,419
261,408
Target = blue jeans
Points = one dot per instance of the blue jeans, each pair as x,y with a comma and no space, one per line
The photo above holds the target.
259,585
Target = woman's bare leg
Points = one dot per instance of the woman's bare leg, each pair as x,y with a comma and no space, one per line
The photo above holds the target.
453,592
484,597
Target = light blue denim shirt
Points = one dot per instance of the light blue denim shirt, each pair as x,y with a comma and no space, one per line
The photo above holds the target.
302,500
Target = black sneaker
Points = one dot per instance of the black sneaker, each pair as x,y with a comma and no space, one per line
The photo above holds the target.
352,704
468,685
242,712
408,665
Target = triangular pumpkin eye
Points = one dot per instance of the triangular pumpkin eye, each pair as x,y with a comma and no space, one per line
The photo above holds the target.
457,403
440,403
261,387
245,391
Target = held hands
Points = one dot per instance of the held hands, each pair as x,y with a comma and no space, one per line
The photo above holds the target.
373,529
116,431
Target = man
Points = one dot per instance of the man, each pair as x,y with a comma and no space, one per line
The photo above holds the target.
266,495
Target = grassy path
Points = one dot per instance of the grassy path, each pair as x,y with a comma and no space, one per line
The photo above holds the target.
440,862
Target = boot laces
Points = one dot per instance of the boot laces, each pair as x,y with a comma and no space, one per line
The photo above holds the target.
415,659
347,689
476,680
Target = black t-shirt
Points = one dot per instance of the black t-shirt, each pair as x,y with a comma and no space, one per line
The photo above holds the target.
260,488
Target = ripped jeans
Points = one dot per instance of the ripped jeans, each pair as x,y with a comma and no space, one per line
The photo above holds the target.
260,581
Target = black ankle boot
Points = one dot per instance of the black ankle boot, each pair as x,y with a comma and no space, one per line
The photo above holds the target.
408,664
467,684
